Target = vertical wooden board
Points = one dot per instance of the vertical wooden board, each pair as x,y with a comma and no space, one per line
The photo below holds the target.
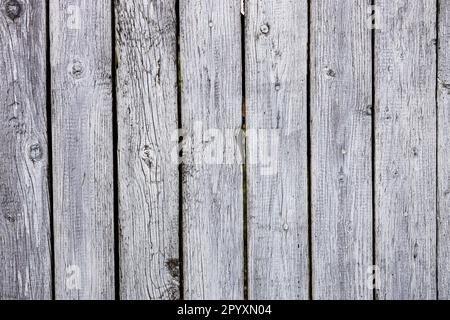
444,150
211,72
341,156
25,242
80,36
276,121
147,124
405,71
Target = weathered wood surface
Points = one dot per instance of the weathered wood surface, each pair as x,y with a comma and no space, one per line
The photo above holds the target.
405,157
211,102
147,124
341,155
276,41
81,88
443,83
311,227
25,242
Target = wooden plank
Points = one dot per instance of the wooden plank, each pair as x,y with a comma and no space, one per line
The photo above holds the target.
405,62
147,124
83,192
444,150
341,156
211,71
276,121
25,242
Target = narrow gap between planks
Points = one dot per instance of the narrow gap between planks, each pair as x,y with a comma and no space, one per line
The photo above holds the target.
437,145
244,148
373,144
49,145
308,134
180,166
114,64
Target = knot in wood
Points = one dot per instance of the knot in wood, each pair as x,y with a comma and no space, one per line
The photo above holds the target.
13,9
265,29
331,73
76,69
147,153
35,152
10,217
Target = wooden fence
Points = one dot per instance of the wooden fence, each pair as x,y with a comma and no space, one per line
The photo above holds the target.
206,149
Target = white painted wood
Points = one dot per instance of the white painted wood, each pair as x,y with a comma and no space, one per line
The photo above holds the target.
80,36
444,150
211,74
405,62
276,37
147,123
341,155
25,242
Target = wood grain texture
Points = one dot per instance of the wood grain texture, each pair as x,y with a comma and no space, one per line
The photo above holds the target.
276,119
211,72
80,36
341,157
25,243
147,124
444,150
405,62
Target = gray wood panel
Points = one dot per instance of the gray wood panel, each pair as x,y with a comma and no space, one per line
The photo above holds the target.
405,71
341,155
187,232
25,242
80,36
147,124
276,40
211,74
444,150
